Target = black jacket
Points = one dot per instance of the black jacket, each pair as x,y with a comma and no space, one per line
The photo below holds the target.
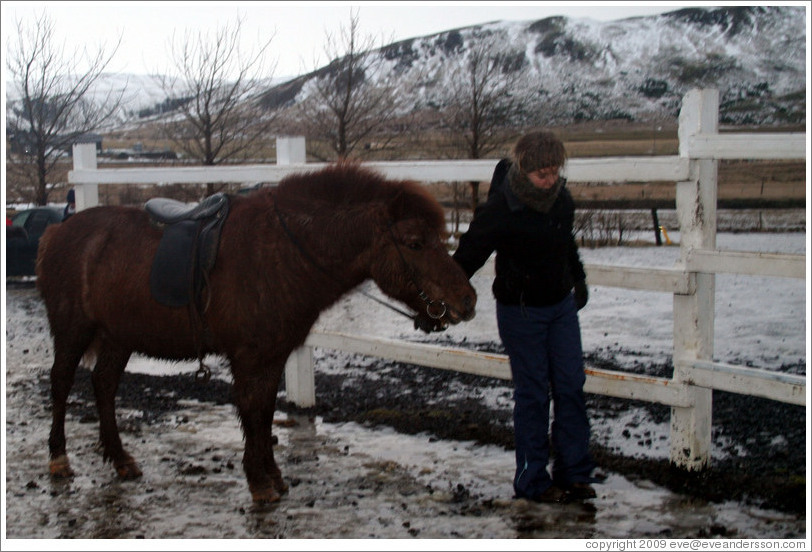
537,261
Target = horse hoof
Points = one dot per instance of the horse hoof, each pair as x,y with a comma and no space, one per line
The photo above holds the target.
280,486
266,496
59,467
128,470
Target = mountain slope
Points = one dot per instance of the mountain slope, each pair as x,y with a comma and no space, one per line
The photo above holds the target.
636,69
581,69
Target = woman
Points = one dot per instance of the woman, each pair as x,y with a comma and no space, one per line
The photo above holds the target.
528,221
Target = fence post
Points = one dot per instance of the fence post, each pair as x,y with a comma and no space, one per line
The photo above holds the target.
84,158
694,312
290,150
300,382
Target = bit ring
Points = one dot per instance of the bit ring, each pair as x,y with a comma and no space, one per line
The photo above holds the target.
434,315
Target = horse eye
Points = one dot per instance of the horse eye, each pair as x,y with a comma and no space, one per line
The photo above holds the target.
415,245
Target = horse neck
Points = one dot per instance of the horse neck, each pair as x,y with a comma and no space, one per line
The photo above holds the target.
337,242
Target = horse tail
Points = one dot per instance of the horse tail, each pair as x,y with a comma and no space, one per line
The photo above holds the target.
42,251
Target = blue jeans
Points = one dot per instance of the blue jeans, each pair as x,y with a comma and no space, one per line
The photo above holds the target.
544,346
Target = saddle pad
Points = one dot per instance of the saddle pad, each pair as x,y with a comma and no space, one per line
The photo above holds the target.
172,276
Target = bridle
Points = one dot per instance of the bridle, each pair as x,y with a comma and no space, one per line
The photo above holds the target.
431,305
413,280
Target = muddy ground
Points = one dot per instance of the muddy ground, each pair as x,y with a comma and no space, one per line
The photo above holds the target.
388,452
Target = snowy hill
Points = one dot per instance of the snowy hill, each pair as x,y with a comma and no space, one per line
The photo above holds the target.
637,68
137,92
581,69
141,95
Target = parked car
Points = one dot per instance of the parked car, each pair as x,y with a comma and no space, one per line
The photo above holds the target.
23,235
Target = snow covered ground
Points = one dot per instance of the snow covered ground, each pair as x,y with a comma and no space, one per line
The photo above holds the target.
353,481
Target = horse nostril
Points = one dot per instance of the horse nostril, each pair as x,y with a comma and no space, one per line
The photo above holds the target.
469,302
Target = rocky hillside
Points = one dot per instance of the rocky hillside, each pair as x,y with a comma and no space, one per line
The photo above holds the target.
635,69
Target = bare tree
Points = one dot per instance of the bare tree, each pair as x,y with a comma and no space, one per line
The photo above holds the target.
483,100
214,84
54,108
350,102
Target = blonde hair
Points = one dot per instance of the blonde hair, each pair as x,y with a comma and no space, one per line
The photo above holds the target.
538,150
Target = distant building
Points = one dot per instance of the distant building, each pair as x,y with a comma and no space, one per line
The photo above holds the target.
19,141
22,142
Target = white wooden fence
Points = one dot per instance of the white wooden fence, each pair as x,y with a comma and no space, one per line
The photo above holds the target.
691,280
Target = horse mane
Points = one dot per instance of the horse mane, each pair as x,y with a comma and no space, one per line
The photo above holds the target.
349,184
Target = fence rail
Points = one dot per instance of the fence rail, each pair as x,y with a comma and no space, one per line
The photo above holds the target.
606,169
753,264
691,280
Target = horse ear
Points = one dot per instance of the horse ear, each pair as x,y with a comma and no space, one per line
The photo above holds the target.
398,207
413,200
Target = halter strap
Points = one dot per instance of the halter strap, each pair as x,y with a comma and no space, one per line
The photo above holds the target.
410,270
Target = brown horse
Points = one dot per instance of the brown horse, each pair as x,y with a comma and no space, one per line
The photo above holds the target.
285,255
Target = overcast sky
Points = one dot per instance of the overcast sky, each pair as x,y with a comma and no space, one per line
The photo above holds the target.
298,28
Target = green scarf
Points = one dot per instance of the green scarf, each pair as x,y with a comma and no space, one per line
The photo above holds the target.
536,198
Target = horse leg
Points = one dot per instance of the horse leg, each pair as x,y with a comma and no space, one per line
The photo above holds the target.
106,375
67,354
256,402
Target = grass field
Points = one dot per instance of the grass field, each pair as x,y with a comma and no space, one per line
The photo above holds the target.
742,183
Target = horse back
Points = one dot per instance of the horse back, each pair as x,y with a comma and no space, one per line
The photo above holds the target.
94,269
92,247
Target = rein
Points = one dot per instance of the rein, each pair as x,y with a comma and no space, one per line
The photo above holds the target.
422,294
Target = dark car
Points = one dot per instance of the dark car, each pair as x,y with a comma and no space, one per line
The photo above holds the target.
23,235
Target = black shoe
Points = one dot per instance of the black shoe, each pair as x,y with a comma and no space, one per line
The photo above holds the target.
551,496
580,491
